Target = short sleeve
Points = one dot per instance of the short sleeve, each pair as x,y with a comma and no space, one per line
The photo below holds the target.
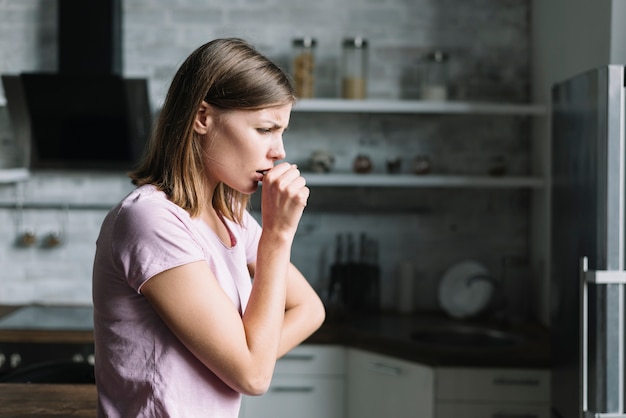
151,236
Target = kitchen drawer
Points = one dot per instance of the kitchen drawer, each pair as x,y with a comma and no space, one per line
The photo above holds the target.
298,396
310,359
308,382
491,410
458,384
380,386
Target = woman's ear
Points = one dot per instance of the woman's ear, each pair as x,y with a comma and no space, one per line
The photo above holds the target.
204,118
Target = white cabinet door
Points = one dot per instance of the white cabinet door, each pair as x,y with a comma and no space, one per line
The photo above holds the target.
523,385
380,386
492,392
308,382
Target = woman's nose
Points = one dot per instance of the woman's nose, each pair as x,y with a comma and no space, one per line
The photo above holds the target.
277,152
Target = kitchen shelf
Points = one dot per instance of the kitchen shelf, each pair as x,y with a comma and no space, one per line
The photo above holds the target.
12,175
418,106
408,180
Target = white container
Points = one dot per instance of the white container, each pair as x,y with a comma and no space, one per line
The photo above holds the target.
435,85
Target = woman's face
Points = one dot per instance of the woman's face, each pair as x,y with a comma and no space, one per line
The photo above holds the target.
240,145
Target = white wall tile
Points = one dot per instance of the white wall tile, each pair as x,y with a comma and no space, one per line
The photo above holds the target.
489,44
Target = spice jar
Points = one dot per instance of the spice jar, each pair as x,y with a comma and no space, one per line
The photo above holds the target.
421,164
362,164
435,85
354,68
304,66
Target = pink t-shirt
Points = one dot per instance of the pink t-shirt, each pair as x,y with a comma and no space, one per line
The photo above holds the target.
142,369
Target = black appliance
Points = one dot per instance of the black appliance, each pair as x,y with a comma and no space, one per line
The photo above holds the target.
87,115
588,244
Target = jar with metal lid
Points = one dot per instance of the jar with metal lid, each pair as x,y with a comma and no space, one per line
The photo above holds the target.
354,68
303,69
435,85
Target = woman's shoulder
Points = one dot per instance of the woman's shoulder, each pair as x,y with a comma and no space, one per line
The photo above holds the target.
147,204
148,197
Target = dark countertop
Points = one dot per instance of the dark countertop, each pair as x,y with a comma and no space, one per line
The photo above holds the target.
390,334
33,334
385,333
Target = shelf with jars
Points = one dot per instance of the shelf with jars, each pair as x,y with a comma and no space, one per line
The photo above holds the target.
424,181
329,178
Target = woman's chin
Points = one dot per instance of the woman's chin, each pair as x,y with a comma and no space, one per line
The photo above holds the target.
249,190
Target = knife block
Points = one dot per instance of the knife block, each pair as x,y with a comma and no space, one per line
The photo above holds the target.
358,285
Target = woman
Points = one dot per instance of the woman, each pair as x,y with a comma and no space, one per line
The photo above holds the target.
181,329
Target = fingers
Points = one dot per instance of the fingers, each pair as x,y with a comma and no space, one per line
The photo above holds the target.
285,193
283,171
287,179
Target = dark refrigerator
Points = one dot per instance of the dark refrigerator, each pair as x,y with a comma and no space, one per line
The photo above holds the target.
587,250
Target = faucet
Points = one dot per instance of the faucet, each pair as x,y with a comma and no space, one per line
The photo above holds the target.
498,309
483,278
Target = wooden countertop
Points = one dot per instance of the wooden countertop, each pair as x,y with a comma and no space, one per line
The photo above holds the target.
44,400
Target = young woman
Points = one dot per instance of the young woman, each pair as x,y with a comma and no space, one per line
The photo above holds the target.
194,301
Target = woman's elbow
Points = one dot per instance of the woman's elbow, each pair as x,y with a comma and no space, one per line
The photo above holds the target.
318,315
255,385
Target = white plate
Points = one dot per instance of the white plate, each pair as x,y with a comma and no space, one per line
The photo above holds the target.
461,297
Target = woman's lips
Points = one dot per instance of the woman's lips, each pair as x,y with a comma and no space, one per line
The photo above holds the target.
262,174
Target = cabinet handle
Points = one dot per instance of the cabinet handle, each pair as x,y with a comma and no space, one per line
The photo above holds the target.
511,381
291,389
386,369
298,357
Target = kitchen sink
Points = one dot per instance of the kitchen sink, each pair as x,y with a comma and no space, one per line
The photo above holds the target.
466,336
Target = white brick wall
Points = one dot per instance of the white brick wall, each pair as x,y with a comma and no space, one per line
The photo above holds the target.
489,44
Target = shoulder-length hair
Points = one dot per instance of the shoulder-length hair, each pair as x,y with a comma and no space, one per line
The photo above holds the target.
227,74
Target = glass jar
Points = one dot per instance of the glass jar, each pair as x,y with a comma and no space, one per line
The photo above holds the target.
303,69
435,85
354,68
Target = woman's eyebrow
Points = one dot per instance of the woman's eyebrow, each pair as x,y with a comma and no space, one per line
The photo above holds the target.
275,125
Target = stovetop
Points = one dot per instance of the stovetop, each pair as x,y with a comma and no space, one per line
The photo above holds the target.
49,317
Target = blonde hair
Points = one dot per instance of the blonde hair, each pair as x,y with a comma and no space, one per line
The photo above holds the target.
228,74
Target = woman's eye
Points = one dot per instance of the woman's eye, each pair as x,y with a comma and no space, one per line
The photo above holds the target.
264,130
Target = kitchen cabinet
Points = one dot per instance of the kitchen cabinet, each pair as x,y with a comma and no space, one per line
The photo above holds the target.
308,382
495,392
380,385
420,107
384,386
